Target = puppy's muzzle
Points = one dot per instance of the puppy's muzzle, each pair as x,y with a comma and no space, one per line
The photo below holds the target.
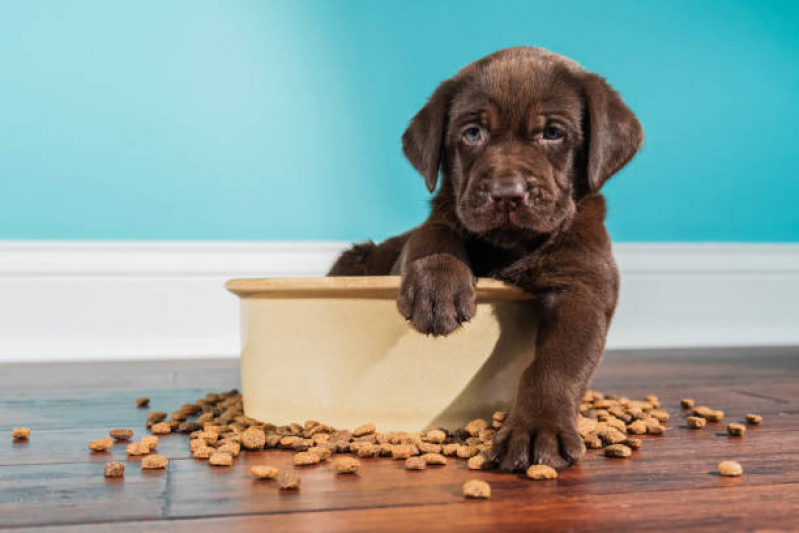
507,193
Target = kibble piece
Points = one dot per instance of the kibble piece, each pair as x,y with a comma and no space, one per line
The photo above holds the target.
323,452
137,448
611,435
220,459
114,469
415,463
101,445
367,450
450,449
346,465
465,452
687,403
716,415
436,436
121,434
232,448
263,472
20,433
151,441
203,452
617,450
162,428
478,462
428,447
736,430
434,459
156,416
593,442
288,481
253,438
586,426
659,414
476,489
154,462
637,427
633,444
476,426
142,402
403,451
306,459
753,419
366,429
189,427
541,472
730,468
695,422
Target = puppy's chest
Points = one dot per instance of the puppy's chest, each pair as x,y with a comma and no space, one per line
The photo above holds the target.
489,261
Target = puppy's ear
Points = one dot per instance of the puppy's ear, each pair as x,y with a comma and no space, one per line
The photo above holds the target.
423,141
613,133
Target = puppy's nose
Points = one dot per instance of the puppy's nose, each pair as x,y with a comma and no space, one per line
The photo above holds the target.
507,193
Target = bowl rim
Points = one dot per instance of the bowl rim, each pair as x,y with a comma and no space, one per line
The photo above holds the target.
373,287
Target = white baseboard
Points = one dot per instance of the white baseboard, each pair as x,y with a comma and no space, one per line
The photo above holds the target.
126,300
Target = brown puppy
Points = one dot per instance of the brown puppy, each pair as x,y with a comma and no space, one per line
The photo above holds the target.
523,139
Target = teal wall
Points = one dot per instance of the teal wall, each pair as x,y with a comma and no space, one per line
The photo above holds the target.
281,120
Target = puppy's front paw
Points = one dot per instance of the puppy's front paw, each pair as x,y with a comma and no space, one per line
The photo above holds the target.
521,442
437,294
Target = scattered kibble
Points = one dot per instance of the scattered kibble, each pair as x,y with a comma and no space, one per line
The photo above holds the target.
253,438
220,459
687,403
753,419
695,422
618,451
142,402
121,434
346,465
730,469
633,443
477,462
203,453
366,429
306,459
20,433
288,481
114,469
162,428
154,462
476,488
137,448
101,445
736,430
415,463
541,472
434,459
263,472
436,436
151,441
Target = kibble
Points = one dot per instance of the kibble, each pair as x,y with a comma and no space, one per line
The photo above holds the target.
730,469
263,472
288,481
434,459
162,428
346,465
114,469
203,453
436,436
633,444
403,451
366,429
753,419
137,448
695,422
306,459
476,488
465,452
687,403
142,402
736,430
154,462
253,438
220,459
415,463
541,472
151,441
101,445
20,433
324,453
121,434
478,462
618,451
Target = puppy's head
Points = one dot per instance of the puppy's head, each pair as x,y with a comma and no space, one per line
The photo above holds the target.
520,137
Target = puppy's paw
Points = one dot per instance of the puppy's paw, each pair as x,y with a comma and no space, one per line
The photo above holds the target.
437,294
521,443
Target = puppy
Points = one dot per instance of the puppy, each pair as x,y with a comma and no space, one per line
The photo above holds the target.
523,140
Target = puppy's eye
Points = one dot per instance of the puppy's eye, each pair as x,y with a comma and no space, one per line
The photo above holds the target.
472,135
553,133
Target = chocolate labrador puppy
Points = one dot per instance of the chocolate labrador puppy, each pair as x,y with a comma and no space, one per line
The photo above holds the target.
523,140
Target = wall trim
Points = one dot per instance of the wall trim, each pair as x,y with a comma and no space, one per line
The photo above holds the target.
84,300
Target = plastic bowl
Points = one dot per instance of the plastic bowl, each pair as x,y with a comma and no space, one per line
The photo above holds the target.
336,350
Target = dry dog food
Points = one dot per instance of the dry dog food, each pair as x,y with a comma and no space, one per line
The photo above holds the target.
114,469
687,403
753,419
253,438
632,443
220,459
203,453
121,434
478,462
435,459
137,448
162,428
476,488
263,472
403,451
436,436
142,402
366,429
346,465
323,452
415,463
154,462
20,433
151,441
101,445
617,450
695,422
730,468
736,430
288,481
306,459
541,472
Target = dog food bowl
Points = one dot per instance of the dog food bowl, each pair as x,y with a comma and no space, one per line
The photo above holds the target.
336,350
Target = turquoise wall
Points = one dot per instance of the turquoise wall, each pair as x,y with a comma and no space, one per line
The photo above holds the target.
250,120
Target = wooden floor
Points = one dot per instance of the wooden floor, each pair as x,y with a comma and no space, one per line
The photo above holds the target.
53,483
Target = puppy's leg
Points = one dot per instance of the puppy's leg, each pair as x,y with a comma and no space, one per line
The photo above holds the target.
437,291
369,259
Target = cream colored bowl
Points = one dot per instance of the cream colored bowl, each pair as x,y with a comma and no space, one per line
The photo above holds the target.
336,350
